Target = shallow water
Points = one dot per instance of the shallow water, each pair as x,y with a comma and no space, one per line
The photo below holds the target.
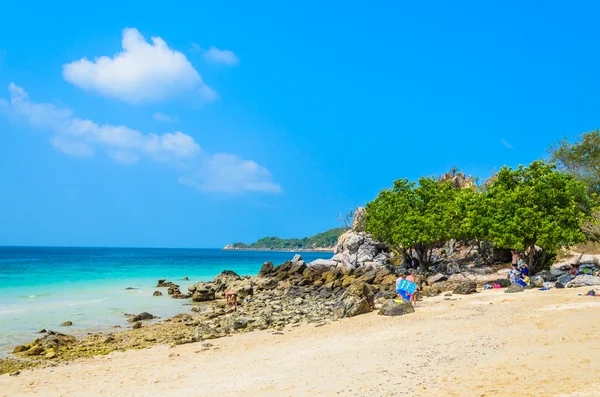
41,287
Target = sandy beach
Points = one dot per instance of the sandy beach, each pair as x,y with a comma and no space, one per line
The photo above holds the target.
535,343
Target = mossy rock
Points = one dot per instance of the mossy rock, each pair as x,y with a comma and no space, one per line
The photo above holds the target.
348,281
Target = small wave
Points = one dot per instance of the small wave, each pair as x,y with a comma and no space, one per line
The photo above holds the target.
81,303
12,311
34,296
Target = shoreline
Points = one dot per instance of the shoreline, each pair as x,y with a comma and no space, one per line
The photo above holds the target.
316,250
364,356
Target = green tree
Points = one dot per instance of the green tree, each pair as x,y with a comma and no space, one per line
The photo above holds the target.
581,159
534,206
411,217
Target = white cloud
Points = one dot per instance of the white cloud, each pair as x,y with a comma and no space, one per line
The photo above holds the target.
164,117
508,145
79,137
221,172
227,57
142,72
224,172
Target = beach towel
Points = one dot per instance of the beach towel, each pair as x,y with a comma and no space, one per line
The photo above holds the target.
404,295
407,286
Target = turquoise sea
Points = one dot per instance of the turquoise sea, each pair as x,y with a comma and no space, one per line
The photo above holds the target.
41,287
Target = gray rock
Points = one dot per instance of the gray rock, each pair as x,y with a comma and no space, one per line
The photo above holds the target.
67,324
537,281
465,288
353,243
584,281
393,307
266,270
357,299
140,317
565,279
157,293
436,279
546,275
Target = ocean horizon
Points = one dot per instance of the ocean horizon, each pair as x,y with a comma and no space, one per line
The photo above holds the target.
42,287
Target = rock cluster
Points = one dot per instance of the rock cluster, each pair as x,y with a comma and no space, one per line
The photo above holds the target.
48,346
356,248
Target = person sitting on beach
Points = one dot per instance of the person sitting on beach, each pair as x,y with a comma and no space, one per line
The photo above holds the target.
524,270
231,297
574,271
513,274
412,277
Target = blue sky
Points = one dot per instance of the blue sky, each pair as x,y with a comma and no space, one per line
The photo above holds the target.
245,119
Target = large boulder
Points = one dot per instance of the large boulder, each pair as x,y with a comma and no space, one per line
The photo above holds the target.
584,281
546,275
243,288
465,288
224,279
317,268
514,288
357,299
202,292
56,341
396,307
266,270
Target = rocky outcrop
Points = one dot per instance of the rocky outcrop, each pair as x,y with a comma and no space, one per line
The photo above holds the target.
396,307
202,292
48,346
357,248
584,281
163,283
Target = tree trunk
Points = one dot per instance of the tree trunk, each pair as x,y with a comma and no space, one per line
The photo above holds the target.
531,257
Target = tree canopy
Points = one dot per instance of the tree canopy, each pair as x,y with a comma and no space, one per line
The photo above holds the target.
412,217
518,209
534,206
580,159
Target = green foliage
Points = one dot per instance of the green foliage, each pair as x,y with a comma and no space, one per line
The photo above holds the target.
580,159
416,217
518,209
321,240
533,206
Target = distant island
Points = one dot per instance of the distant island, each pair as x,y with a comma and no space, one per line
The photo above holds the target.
324,241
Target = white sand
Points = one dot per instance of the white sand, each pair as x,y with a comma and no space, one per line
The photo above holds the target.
489,344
